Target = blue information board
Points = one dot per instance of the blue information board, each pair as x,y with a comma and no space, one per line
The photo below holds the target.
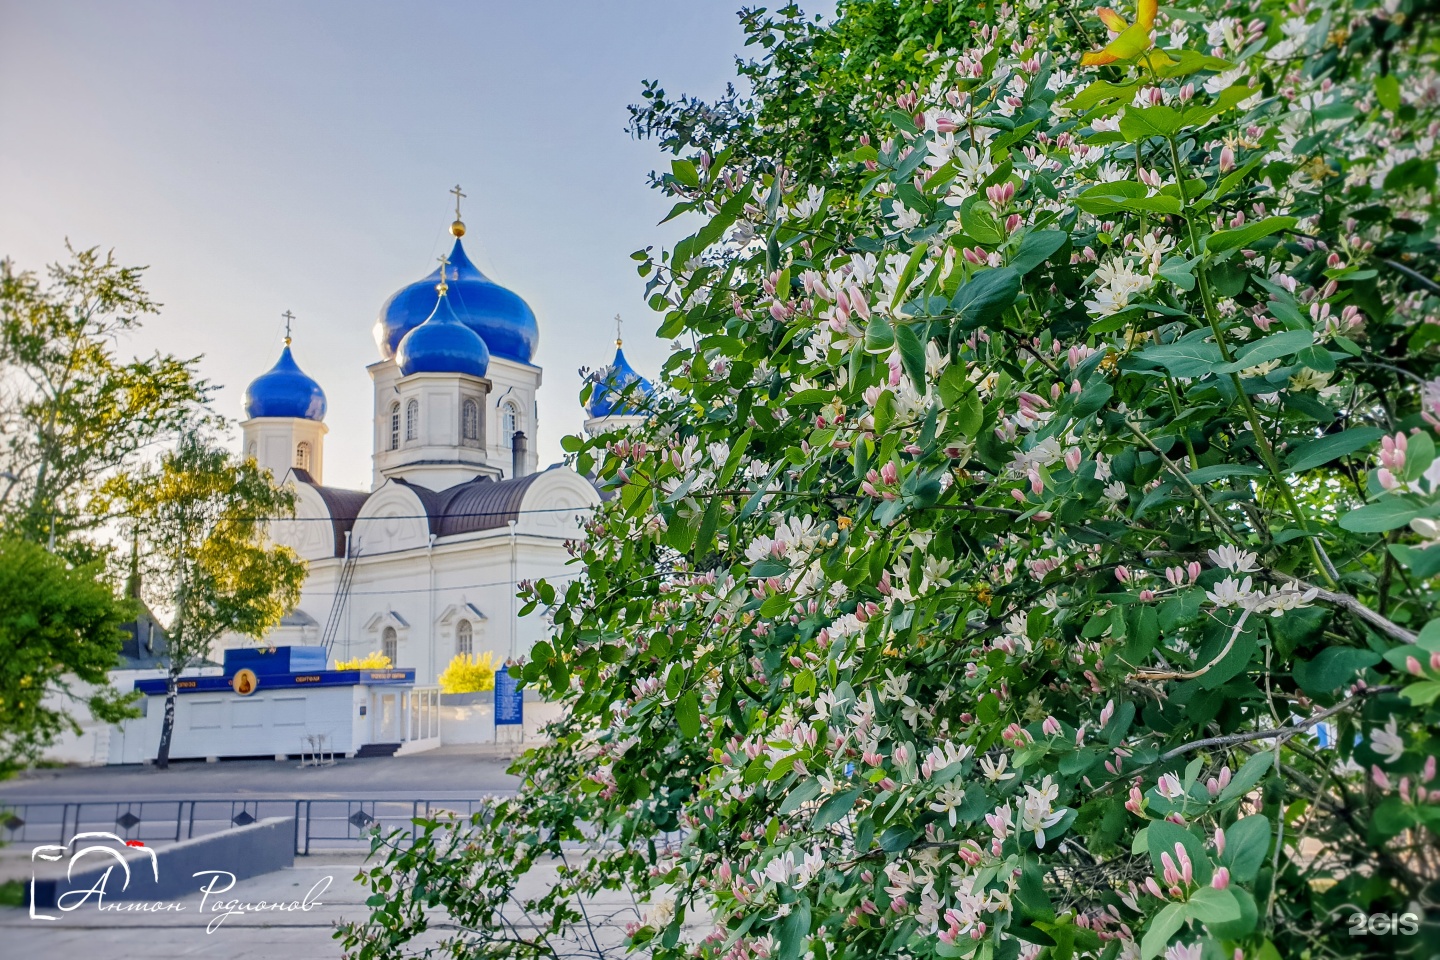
509,700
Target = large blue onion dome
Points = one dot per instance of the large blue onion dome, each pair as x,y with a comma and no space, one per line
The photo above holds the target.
442,344
285,391
618,388
504,321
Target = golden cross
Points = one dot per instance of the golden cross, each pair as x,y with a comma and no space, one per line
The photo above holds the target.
288,317
444,262
458,197
618,341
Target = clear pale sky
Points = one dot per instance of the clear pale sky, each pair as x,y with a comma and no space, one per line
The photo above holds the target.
264,156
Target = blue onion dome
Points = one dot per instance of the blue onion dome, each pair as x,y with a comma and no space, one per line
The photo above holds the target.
617,388
285,391
504,321
442,344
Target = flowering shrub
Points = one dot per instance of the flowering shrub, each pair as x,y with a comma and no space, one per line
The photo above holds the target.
468,674
1033,552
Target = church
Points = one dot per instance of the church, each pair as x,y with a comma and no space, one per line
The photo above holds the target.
424,565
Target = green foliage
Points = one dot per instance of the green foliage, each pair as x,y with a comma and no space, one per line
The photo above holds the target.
200,518
74,411
59,636
974,595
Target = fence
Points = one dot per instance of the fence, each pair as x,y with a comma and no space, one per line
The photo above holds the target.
319,824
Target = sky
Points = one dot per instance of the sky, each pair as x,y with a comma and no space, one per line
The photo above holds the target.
269,156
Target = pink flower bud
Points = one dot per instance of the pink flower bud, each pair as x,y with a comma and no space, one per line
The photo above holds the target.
1227,159
1221,879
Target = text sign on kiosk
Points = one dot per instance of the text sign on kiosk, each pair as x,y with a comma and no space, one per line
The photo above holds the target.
509,700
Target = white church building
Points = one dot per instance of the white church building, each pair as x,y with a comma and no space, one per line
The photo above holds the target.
424,565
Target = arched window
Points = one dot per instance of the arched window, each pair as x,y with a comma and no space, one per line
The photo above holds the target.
254,451
470,420
390,645
302,455
412,420
464,638
395,426
509,422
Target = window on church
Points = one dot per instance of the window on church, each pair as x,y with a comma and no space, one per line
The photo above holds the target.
509,422
390,645
395,426
302,455
412,420
254,451
464,638
470,420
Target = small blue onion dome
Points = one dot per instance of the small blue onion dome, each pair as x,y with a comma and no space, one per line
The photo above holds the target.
285,391
442,344
504,321
617,389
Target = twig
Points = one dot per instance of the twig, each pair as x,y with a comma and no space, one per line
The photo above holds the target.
1349,603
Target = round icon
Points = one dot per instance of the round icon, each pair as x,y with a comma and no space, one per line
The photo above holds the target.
244,682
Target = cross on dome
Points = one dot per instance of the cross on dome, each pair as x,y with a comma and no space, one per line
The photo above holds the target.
288,316
457,229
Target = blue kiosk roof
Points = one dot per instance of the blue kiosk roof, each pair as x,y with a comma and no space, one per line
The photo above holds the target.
281,667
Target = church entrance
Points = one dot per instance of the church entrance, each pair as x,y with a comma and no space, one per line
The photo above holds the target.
386,713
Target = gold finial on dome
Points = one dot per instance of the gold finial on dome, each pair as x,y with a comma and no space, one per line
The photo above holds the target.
618,342
442,286
457,229
288,317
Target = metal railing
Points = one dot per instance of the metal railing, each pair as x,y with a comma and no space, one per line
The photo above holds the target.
319,824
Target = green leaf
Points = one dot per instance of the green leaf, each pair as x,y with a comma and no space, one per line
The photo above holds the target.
1223,240
912,356
1388,514
1387,91
834,809
800,796
1246,777
1209,905
1184,358
985,297
795,930
907,275
1037,247
1247,841
1422,694
1273,347
687,715
1218,471
1157,936
879,335
684,171
968,415
1316,453
1331,668
1147,122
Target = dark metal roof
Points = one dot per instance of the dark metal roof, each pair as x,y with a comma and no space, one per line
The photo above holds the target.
343,506
480,504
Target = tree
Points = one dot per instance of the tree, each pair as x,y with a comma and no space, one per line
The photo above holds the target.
73,411
59,633
200,517
1033,552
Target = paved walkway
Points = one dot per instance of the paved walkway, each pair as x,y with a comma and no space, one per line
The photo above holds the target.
89,934
443,773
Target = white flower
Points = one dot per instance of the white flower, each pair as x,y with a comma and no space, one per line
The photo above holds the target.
1169,786
950,796
1036,814
995,771
1115,492
1228,592
1388,742
904,217
1233,559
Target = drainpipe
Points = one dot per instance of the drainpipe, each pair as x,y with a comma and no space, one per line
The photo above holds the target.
430,656
514,624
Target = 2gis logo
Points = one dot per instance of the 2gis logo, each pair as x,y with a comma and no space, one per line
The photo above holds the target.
1383,924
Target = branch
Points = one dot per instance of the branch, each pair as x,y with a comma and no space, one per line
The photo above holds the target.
1349,603
1280,733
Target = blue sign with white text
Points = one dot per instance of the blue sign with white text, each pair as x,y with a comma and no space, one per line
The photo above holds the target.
509,700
